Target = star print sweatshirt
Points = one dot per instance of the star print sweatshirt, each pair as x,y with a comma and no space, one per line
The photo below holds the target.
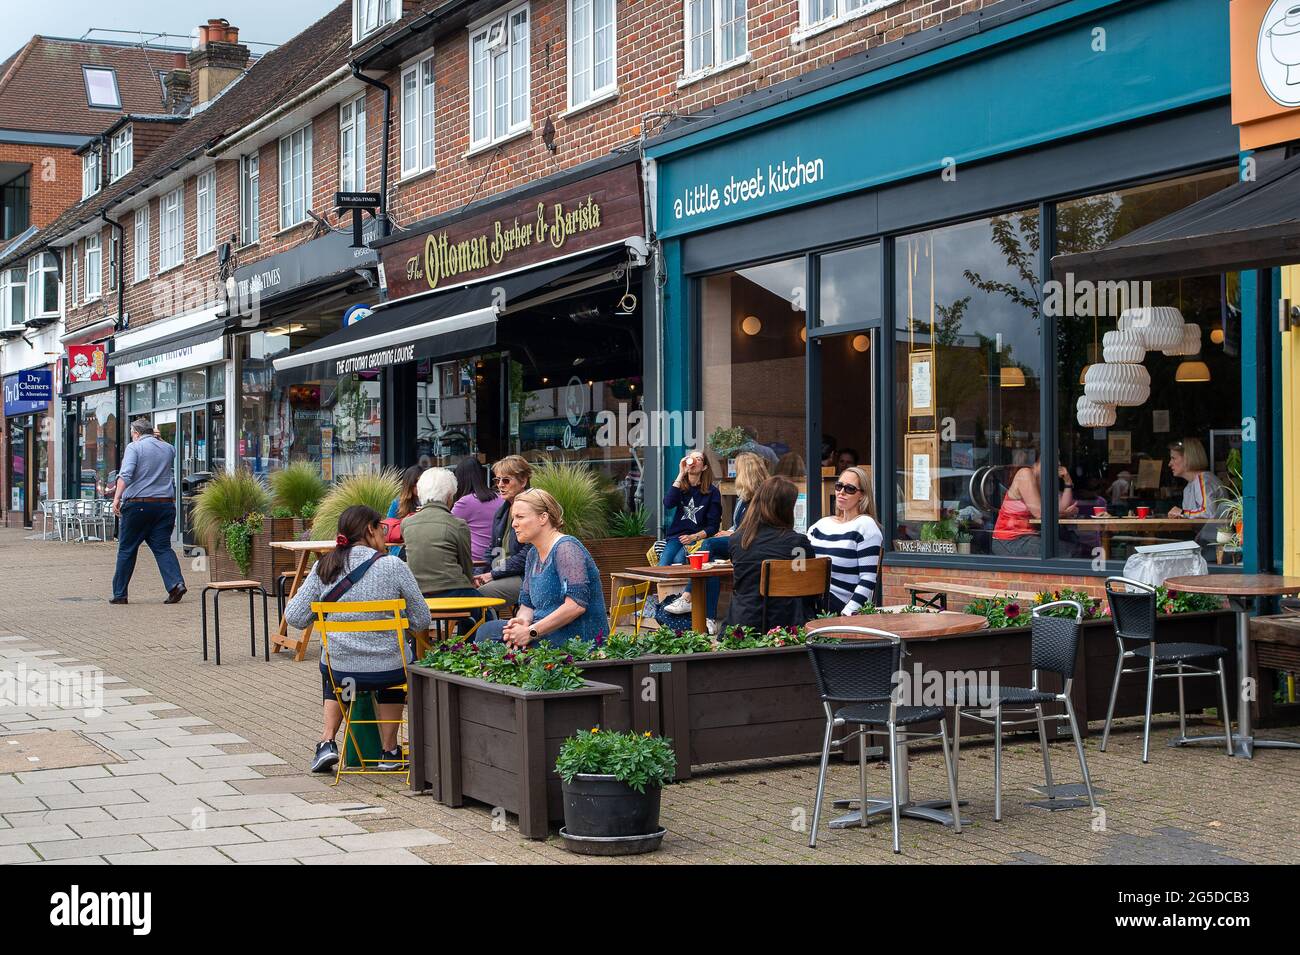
696,511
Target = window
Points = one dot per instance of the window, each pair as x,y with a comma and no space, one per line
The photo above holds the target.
352,146
15,201
101,87
205,229
120,155
142,243
295,177
499,80
825,13
417,118
42,286
171,230
90,164
94,268
591,50
249,196
715,34
13,297
368,16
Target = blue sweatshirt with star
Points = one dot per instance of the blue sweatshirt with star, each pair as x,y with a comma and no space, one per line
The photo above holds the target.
696,511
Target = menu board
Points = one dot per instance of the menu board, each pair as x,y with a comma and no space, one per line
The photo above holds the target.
921,460
920,383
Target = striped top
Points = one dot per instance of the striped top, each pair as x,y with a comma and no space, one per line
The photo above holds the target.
854,550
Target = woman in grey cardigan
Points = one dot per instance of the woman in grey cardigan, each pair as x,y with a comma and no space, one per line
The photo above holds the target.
371,661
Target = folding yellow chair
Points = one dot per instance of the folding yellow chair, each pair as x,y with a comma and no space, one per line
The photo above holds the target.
346,695
628,594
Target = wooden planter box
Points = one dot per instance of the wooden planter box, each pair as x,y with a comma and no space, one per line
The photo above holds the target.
613,554
267,562
497,744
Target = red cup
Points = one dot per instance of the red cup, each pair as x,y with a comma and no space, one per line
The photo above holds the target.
1100,512
697,560
1144,512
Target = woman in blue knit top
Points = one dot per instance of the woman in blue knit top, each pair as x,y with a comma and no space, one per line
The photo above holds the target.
698,504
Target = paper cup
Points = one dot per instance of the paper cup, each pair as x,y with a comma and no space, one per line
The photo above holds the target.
697,560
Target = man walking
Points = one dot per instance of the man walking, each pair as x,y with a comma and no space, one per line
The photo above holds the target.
146,502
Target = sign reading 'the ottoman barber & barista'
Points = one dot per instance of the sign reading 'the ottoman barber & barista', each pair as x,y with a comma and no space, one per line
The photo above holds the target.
578,216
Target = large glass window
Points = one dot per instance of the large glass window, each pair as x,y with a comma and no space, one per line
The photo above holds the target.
97,443
42,286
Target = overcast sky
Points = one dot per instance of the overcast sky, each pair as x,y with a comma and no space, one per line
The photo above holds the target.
257,19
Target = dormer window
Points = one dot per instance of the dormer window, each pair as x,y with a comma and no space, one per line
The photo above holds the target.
101,87
369,16
90,167
120,154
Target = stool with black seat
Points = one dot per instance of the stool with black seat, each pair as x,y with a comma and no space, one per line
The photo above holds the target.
1054,646
858,685
283,581
1133,609
252,587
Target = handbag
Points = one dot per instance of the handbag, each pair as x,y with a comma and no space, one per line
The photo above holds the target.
344,585
392,530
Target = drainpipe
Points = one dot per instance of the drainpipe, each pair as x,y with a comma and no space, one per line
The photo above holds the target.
121,279
382,215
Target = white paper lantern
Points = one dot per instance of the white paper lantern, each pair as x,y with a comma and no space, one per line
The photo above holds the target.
1124,347
1160,327
1190,344
1094,415
1126,385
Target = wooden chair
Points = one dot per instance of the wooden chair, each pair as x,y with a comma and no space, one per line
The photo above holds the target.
806,577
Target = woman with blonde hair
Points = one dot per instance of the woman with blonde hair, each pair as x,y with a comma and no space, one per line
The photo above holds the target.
751,471
560,596
852,540
1188,460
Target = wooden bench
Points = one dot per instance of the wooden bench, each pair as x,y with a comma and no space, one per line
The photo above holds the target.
939,590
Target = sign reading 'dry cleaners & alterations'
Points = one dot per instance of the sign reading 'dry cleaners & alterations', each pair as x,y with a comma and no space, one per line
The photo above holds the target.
574,217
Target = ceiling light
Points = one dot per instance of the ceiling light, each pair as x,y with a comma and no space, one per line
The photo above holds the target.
1012,377
1216,336
291,329
1192,371
861,343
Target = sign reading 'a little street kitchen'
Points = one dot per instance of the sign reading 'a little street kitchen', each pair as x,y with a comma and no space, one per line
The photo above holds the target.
575,217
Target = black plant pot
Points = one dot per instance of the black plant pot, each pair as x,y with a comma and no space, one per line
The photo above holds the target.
603,816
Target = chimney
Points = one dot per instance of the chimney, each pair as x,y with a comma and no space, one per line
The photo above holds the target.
217,60
176,92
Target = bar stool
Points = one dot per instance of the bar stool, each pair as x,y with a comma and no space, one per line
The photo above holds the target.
218,587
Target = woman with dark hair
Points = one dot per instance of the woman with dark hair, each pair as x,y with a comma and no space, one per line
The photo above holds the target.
407,501
476,504
766,533
371,661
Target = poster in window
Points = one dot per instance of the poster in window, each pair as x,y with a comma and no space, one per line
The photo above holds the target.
921,460
1120,447
327,453
920,383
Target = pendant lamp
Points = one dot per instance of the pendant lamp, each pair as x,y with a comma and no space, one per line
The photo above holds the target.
1127,385
1090,414
1123,348
1160,326
1190,343
1192,371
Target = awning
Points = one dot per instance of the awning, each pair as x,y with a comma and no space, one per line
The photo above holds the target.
460,321
186,338
1248,225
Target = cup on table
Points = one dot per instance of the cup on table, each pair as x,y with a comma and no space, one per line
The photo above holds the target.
1100,512
1144,512
697,560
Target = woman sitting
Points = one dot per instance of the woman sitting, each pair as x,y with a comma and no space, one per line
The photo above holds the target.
406,503
1013,534
751,471
371,661
698,504
851,538
766,533
1188,461
561,594
476,505
437,542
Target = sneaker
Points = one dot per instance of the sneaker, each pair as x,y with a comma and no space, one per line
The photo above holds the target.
681,605
714,626
391,761
327,756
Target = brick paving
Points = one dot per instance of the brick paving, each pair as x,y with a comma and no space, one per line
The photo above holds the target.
208,767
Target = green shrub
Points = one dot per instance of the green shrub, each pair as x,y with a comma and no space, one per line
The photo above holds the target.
375,489
297,486
230,497
629,523
639,760
581,493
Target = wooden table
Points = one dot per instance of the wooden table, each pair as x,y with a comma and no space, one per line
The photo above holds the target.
908,626
1148,527
304,550
1242,591
699,619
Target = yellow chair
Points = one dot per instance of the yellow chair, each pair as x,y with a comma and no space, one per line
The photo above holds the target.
629,597
346,695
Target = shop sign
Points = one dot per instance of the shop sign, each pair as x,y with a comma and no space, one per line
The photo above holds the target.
187,357
301,266
28,392
87,363
357,313
1265,71
576,217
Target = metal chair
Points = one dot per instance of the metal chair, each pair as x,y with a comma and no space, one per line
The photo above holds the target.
1054,645
1133,609
863,676
218,587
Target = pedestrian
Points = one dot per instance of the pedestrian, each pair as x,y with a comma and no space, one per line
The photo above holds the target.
145,500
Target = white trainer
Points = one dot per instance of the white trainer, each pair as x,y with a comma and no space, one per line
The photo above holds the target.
714,626
681,605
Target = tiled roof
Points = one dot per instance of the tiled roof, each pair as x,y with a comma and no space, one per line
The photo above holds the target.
42,87
288,70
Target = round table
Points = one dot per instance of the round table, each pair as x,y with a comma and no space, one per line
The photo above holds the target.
462,606
1242,591
907,626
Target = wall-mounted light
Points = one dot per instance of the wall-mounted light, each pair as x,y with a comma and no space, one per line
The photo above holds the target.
751,325
803,334
1216,336
861,343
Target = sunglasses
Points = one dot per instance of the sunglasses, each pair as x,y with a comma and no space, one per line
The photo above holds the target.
843,488
502,480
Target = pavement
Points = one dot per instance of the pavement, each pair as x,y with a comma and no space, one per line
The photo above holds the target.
189,763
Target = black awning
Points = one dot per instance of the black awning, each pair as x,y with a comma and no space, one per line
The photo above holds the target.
1248,225
198,335
448,324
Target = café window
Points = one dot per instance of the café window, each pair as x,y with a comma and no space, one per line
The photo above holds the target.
967,324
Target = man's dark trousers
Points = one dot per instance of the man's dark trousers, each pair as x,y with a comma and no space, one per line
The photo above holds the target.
152,523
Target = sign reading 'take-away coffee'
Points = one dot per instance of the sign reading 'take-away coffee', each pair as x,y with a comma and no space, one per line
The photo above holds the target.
575,217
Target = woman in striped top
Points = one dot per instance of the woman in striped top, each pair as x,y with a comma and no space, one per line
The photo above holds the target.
851,538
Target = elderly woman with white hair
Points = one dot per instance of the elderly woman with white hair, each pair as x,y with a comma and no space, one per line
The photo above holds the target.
438,543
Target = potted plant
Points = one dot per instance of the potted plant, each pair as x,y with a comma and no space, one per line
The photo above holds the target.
296,491
726,442
611,784
375,489
963,541
228,514
1231,506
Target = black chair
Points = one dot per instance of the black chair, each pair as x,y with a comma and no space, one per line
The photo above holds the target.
217,588
1054,645
860,677
1133,609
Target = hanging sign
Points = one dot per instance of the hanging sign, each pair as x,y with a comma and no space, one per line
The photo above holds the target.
87,363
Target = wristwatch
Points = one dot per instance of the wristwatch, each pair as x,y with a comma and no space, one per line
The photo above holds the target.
532,634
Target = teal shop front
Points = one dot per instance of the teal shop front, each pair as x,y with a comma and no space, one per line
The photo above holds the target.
856,271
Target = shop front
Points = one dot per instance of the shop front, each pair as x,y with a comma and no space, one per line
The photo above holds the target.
887,299
92,421
30,450
513,326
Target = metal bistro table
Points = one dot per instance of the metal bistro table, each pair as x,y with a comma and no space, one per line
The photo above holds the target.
908,626
1242,590
699,618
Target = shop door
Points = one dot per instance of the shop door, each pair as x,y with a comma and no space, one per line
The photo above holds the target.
21,469
192,462
844,433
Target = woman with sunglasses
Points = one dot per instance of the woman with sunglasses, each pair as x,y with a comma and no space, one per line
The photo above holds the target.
851,538
507,555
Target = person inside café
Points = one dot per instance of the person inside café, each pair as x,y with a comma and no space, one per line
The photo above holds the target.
766,533
560,596
506,554
1189,462
852,539
373,660
477,505
698,505
1014,535
847,458
791,465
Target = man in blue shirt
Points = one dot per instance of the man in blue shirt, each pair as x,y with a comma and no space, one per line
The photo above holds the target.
146,502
